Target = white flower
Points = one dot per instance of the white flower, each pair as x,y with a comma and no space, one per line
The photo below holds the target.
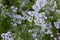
45,17
14,25
57,24
51,35
18,22
58,33
55,38
14,8
48,32
18,16
34,34
58,11
7,36
1,5
29,30
26,1
3,35
36,39
55,4
43,3
58,37
43,26
36,8
31,13
39,4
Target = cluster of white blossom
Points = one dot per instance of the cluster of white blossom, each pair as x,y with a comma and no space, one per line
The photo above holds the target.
26,1
34,34
0,4
39,19
3,10
58,35
38,5
14,8
58,11
7,36
27,17
17,20
57,24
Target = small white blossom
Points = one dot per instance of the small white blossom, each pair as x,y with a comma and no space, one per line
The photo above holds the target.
31,13
14,25
48,32
58,37
7,36
14,8
55,4
36,39
34,34
58,11
38,5
29,30
51,35
1,5
55,38
57,24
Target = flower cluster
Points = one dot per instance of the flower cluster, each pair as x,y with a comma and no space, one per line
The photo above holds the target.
38,5
38,18
7,36
57,24
14,9
17,20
